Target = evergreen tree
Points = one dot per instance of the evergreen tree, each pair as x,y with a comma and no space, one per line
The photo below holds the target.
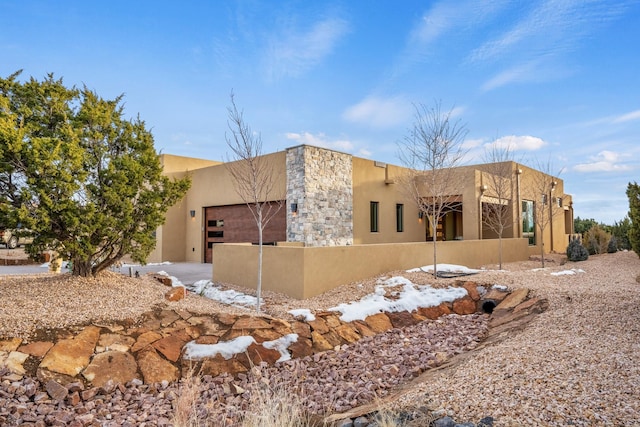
633,193
84,179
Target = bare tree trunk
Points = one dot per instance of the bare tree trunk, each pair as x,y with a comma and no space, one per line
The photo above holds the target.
259,290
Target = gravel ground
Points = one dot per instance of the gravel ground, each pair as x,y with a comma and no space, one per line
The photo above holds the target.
576,364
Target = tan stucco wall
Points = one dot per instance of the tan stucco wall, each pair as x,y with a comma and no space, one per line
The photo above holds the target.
303,272
369,186
182,236
172,163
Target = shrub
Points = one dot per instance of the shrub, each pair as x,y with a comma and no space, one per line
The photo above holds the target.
575,250
612,247
597,240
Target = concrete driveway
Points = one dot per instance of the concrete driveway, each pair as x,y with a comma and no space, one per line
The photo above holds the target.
186,272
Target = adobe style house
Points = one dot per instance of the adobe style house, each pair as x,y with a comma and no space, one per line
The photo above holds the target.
336,200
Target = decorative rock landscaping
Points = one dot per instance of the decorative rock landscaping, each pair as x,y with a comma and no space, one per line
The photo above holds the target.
75,367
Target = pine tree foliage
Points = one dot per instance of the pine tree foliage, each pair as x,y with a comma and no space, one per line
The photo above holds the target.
633,193
84,179
575,250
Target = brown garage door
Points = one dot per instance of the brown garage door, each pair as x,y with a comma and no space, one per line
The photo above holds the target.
235,224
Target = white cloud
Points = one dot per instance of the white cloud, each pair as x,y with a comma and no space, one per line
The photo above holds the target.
604,161
550,27
379,112
634,115
515,74
321,140
472,143
517,143
295,52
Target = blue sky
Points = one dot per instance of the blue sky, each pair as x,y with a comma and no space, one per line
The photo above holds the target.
558,79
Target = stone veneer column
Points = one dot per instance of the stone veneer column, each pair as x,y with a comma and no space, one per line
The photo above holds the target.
320,182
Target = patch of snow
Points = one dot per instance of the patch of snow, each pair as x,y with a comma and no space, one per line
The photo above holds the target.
174,280
408,299
227,349
568,272
210,290
281,345
126,265
305,313
500,287
449,268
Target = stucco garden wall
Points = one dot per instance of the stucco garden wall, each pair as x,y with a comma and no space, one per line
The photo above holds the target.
303,272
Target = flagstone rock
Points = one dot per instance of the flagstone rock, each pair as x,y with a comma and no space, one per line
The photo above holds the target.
281,326
207,339
472,290
257,353
261,335
332,338
379,322
332,320
167,317
218,365
526,304
250,323
71,356
171,346
227,319
401,319
347,333
301,348
116,342
320,343
515,298
434,312
464,306
37,348
154,368
319,325
176,294
145,340
10,344
363,329
117,366
302,329
496,295
15,361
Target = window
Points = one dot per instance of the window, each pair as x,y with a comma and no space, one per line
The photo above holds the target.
544,199
374,216
559,202
215,234
528,226
399,218
215,223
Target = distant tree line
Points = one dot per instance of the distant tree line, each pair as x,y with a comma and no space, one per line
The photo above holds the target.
624,234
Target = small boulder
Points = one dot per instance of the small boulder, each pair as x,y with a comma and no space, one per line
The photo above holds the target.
176,294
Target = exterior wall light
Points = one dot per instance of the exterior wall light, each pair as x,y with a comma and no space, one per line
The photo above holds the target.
294,209
192,213
483,188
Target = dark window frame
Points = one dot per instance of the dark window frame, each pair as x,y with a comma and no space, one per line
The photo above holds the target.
399,217
374,216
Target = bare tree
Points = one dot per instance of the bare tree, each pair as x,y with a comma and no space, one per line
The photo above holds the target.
255,179
543,185
497,192
430,152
